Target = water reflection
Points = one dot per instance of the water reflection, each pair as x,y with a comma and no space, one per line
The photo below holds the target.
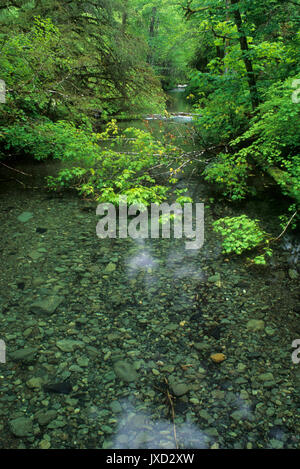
138,430
141,261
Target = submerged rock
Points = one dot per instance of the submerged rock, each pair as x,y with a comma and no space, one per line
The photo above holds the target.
61,388
293,274
21,426
46,417
218,357
44,444
25,216
26,355
35,255
47,305
68,345
276,444
255,325
115,407
125,371
35,383
110,268
179,389
264,377
41,230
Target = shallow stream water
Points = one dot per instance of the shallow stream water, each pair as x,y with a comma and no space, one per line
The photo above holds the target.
109,342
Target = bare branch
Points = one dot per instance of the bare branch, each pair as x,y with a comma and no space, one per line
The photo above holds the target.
286,227
189,11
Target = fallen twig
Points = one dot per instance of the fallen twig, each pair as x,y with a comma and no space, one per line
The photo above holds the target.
286,227
14,169
171,406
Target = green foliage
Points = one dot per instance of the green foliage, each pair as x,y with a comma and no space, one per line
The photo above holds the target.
65,62
231,173
96,165
241,234
108,173
223,107
46,139
171,43
182,199
245,48
288,219
271,143
67,177
70,59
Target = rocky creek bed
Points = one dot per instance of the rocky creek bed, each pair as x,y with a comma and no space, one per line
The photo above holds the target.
99,333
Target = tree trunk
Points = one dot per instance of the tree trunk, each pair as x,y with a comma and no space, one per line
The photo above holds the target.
124,16
226,43
152,25
245,53
152,22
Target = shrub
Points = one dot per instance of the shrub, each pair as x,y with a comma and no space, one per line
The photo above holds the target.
272,144
241,234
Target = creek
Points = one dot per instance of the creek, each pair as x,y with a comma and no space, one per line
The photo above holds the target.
116,343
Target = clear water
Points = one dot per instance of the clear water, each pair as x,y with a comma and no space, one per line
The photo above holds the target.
129,345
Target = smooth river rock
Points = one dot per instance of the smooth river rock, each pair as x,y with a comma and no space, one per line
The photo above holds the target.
255,325
21,426
25,355
47,305
179,389
25,216
125,371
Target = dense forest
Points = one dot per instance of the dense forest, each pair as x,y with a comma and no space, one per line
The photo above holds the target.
68,65
179,348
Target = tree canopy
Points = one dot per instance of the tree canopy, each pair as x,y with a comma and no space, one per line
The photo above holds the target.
71,63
